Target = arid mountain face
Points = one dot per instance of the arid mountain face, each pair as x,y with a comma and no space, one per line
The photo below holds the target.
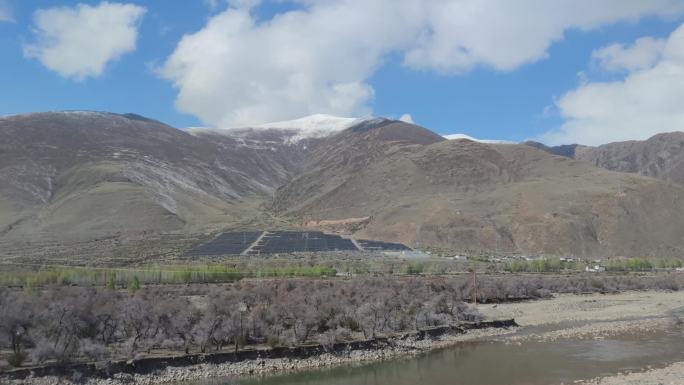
465,195
83,175
661,156
335,160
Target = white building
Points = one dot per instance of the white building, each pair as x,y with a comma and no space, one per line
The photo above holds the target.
595,269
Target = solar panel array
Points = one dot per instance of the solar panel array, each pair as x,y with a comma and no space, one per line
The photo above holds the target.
301,241
226,244
274,242
368,245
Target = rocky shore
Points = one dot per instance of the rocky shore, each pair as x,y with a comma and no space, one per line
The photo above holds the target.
669,375
598,330
590,316
395,348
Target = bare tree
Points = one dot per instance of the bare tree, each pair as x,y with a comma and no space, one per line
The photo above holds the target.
16,320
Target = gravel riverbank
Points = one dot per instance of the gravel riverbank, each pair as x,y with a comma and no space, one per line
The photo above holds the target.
669,375
588,316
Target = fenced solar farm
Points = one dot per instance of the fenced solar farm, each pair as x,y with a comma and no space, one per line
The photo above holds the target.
227,243
307,241
276,242
369,245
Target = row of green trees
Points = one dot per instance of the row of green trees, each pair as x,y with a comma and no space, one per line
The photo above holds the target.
122,278
313,267
613,265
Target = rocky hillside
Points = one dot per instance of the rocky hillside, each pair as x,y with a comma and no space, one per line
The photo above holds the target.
661,156
472,196
81,175
333,161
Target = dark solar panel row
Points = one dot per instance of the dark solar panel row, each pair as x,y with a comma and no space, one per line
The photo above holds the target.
274,242
381,246
226,244
301,241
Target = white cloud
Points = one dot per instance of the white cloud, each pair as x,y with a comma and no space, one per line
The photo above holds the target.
505,34
5,12
213,4
78,42
244,3
644,53
407,118
236,71
647,101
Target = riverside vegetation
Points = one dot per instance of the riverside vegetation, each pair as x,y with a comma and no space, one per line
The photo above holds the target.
62,324
312,265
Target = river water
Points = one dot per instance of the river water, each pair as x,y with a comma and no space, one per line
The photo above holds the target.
498,363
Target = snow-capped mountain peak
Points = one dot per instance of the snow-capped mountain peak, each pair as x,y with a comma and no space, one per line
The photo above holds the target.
314,124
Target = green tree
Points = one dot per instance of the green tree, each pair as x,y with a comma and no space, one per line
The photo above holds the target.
111,282
134,285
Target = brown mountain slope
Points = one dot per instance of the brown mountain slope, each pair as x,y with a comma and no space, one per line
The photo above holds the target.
330,164
661,156
81,175
472,196
277,152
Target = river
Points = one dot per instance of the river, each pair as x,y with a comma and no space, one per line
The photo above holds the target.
500,363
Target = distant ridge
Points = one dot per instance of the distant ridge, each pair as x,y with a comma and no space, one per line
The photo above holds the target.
661,156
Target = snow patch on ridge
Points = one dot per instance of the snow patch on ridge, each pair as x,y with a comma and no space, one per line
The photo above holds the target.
468,137
65,112
313,126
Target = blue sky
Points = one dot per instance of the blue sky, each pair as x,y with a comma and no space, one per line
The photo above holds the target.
489,98
513,105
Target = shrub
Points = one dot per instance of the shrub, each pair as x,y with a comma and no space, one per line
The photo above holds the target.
16,358
351,324
41,352
94,350
241,341
111,282
413,269
597,284
327,339
272,341
134,285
